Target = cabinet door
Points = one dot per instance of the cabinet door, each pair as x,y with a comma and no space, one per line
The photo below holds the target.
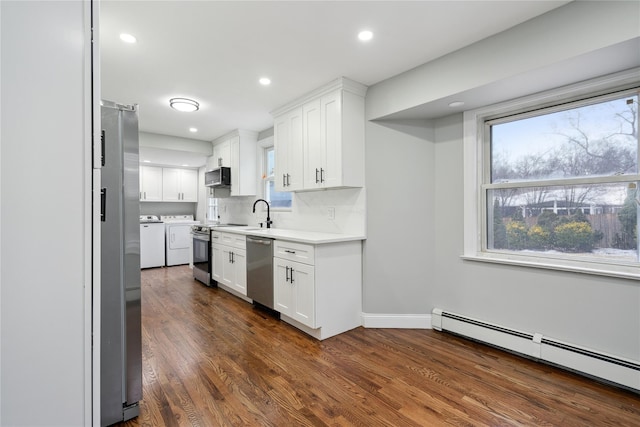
170,185
331,139
303,286
217,259
283,292
281,148
228,272
150,184
189,185
236,182
221,155
239,264
313,149
294,291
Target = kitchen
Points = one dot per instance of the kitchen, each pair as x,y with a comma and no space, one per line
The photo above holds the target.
420,153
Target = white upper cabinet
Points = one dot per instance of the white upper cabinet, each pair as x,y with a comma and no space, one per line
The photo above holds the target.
238,150
150,184
330,150
159,184
287,130
179,185
221,155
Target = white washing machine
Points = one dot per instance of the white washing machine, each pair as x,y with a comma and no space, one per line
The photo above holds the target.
151,242
178,238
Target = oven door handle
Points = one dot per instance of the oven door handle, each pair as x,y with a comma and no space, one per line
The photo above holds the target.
201,237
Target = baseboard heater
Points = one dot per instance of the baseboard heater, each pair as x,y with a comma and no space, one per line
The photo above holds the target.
621,371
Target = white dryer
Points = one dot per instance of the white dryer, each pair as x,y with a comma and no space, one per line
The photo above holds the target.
178,238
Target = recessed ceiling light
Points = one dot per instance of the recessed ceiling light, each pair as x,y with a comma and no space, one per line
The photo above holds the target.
365,35
185,165
265,81
194,130
147,161
184,104
128,38
455,104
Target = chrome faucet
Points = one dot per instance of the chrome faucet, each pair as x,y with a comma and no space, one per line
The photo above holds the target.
269,222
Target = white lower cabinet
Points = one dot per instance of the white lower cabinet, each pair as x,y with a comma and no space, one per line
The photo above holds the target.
294,291
234,269
229,261
318,288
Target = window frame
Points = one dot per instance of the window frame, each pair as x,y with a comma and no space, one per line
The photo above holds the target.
476,169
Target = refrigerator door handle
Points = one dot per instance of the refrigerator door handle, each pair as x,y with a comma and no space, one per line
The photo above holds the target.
103,204
102,156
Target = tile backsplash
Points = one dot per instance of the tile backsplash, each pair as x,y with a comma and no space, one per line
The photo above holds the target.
310,211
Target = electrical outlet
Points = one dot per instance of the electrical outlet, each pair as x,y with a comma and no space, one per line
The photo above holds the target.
331,212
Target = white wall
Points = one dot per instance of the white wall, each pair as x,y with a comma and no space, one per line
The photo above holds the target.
45,252
597,312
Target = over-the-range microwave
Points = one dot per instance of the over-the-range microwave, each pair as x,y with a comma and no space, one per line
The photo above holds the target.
220,177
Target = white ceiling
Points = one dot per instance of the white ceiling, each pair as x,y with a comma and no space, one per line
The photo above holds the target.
215,51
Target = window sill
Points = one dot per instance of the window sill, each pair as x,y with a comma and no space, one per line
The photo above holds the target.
573,266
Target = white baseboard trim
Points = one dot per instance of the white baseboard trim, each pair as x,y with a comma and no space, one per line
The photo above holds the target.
396,321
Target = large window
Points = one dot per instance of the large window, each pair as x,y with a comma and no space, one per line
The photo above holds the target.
559,185
277,199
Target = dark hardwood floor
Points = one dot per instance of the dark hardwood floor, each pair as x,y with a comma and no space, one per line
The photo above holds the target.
211,359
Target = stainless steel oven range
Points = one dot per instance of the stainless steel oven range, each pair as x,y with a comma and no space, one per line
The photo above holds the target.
201,250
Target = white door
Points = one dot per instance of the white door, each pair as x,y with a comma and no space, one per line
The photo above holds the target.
331,140
189,185
239,264
313,150
228,272
217,262
283,294
179,236
170,185
303,286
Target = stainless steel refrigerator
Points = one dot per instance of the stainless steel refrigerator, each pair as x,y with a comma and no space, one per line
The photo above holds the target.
120,329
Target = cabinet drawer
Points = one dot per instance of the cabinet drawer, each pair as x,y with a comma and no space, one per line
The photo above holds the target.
215,237
294,251
234,240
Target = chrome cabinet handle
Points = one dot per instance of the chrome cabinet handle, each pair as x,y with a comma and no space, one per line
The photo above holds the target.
317,176
292,275
288,181
287,275
284,179
321,175
289,252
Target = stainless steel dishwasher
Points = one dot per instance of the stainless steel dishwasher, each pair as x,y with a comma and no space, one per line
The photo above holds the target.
260,270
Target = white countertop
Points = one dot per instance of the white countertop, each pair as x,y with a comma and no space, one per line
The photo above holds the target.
311,237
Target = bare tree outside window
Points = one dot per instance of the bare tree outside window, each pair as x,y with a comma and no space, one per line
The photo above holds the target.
565,180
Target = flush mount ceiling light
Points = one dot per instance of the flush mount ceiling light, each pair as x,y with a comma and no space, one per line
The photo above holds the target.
127,38
455,104
265,81
184,104
365,35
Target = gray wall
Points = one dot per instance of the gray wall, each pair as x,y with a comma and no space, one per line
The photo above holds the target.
415,199
593,311
399,250
45,217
